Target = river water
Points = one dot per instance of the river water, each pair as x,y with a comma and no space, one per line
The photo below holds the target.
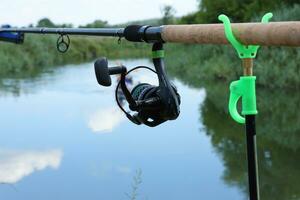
63,137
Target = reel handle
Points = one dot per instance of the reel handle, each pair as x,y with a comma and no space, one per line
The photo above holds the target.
117,70
103,72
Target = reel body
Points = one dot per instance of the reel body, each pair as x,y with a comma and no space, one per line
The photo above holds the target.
154,108
152,105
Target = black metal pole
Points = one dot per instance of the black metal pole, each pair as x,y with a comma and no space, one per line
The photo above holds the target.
252,157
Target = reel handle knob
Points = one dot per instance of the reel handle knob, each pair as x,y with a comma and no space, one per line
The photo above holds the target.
103,72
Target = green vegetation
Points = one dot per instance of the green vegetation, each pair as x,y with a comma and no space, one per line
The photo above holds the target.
39,52
168,15
277,66
45,22
96,24
238,10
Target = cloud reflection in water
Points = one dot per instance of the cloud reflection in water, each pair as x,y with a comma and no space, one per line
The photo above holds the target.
15,165
105,120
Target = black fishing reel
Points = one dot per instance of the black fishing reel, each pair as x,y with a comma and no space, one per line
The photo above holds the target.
153,104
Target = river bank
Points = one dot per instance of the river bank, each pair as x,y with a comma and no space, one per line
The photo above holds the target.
39,52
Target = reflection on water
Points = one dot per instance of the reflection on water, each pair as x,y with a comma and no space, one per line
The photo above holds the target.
202,155
105,120
278,138
15,165
63,110
137,181
278,127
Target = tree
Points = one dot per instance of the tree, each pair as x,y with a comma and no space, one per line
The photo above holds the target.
96,24
68,25
45,22
237,10
168,14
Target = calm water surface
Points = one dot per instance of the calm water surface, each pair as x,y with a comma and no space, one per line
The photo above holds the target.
62,137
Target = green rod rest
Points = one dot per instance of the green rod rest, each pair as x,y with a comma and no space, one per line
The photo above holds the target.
245,89
244,51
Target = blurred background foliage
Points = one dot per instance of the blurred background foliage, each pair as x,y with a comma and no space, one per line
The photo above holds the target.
39,53
238,10
205,63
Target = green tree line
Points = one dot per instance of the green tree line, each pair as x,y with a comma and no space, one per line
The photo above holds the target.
238,10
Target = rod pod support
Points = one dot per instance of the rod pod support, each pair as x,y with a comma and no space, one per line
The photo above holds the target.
245,87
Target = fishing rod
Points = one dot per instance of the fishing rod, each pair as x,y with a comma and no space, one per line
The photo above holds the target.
153,105
270,34
133,33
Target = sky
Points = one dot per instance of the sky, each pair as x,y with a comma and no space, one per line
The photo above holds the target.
80,12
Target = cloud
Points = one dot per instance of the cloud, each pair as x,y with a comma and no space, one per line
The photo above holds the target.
15,165
105,120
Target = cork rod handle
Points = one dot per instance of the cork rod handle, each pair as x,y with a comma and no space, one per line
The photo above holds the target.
271,34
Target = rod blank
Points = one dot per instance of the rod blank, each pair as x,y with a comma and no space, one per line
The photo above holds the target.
271,34
114,32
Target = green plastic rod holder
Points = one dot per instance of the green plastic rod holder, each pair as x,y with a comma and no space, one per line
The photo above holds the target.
242,89
244,51
245,87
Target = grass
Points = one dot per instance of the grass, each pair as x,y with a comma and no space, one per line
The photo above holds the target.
39,52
